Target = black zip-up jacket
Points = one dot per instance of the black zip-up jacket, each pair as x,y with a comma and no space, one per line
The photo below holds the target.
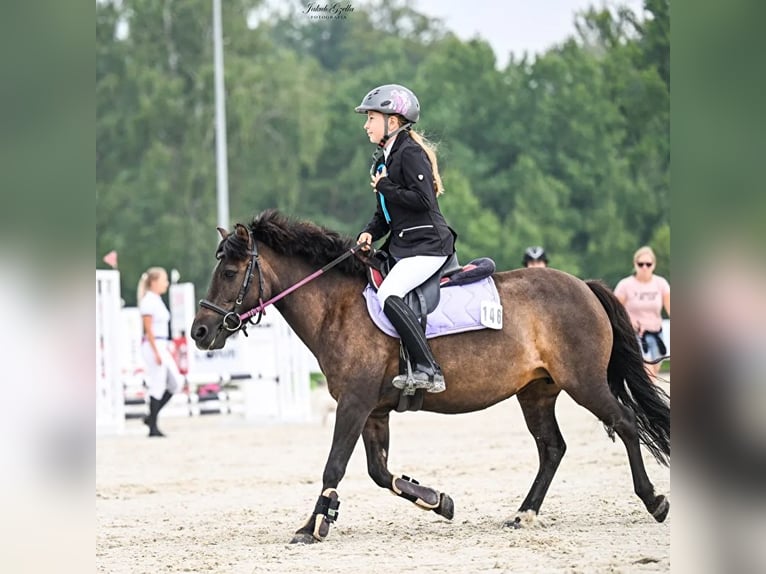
417,225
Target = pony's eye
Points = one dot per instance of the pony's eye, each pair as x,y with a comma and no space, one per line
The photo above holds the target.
229,274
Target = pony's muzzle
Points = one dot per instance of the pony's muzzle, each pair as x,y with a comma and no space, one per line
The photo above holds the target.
204,336
199,333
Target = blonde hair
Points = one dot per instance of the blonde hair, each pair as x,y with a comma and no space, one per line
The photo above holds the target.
147,278
430,149
645,250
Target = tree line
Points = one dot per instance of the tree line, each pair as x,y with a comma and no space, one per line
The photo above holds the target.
568,149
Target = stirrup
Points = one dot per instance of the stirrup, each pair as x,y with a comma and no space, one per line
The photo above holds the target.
437,384
412,381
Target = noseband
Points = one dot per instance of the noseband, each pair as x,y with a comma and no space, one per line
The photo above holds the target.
232,320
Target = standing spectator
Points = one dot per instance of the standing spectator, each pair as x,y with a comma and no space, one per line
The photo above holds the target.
535,257
644,294
162,375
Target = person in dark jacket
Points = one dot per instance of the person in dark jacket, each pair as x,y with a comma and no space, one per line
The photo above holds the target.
406,181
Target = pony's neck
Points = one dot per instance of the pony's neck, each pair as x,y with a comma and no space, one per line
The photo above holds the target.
308,308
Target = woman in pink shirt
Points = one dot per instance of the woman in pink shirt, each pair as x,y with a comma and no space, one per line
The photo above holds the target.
644,294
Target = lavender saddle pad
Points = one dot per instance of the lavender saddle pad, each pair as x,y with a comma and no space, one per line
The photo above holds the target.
459,309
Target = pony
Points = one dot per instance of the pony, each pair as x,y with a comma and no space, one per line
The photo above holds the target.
559,333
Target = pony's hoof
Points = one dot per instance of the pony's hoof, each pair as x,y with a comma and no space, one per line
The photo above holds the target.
661,512
514,523
446,506
524,519
303,538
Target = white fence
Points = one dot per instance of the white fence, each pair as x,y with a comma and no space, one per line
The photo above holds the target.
110,412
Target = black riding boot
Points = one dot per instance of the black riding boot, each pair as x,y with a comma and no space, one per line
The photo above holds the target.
427,373
155,405
167,395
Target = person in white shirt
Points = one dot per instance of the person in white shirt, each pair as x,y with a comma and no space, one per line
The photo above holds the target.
162,376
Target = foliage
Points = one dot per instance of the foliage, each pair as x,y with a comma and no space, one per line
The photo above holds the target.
569,150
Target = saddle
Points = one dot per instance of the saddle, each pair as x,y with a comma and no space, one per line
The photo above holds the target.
425,298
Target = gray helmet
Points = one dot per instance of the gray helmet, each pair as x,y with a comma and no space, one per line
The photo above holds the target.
535,253
391,99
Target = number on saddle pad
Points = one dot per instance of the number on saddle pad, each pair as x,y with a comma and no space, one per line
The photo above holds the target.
492,315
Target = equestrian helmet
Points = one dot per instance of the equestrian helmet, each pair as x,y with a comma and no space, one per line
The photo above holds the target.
535,253
391,99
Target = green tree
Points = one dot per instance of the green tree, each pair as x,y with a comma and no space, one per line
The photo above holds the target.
569,149
480,232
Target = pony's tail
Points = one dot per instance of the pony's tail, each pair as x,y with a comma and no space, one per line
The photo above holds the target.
630,383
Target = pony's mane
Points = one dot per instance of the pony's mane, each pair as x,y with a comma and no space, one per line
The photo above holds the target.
296,238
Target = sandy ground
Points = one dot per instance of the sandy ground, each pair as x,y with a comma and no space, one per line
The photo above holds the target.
222,495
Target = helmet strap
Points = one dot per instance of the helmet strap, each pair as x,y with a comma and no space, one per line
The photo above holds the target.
385,128
387,136
379,154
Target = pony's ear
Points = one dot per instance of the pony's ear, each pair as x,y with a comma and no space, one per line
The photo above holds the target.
222,232
243,233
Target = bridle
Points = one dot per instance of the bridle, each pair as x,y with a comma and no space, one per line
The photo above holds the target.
234,320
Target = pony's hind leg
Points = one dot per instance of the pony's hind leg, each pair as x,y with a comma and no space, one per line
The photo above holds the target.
538,404
375,436
599,400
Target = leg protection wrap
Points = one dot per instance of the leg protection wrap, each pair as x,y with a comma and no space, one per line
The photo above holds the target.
410,489
326,512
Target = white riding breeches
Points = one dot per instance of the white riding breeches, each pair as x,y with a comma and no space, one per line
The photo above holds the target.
166,376
407,274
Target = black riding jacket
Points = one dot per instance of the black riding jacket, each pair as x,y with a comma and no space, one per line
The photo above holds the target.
417,225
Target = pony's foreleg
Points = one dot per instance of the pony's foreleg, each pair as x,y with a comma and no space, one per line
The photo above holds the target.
375,436
538,403
349,420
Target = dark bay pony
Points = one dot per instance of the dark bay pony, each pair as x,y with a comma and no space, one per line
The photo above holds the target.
559,333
